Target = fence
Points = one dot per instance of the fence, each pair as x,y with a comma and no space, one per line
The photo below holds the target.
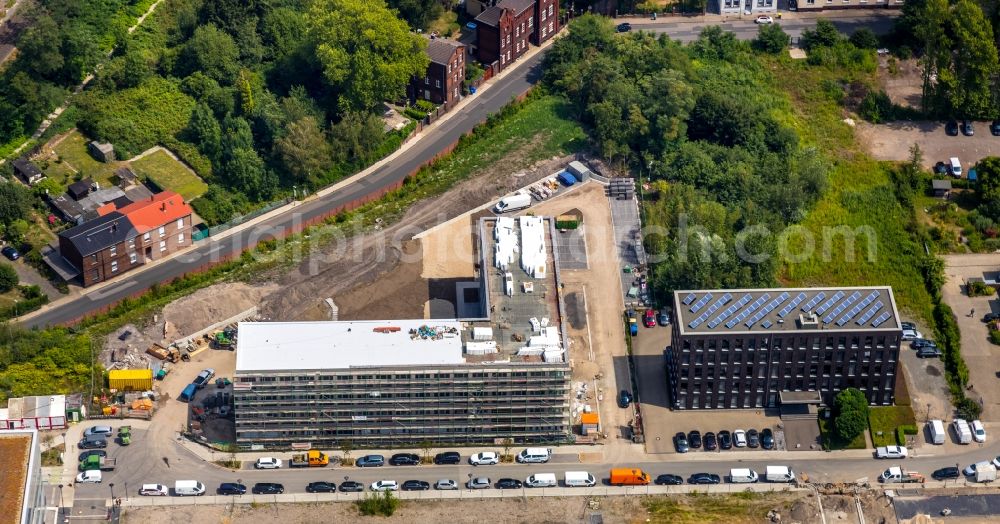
214,230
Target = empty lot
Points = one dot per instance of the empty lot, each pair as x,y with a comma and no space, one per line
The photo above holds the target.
893,141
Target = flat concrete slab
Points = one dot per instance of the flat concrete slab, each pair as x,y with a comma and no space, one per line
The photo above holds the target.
802,435
571,249
960,506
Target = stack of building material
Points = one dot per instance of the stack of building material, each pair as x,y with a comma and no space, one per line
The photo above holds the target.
533,256
481,348
506,243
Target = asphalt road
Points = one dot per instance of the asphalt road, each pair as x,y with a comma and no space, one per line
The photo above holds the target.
493,99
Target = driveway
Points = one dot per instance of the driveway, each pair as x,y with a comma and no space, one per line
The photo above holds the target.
30,276
893,141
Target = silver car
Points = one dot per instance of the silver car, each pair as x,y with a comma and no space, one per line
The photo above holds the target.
445,484
479,483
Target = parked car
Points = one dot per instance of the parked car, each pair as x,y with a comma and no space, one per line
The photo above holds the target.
725,440
649,318
908,325
232,488
384,485
202,379
951,128
267,463
928,352
479,483
891,452
448,457
446,484
416,485
509,484
484,458
990,317
996,461
93,443
10,252
694,439
624,27
940,168
154,490
766,438
704,478
946,473
370,461
405,459
90,476
967,129
668,480
104,431
663,317
740,438
978,431
321,487
763,20
753,438
268,488
995,128
681,442
350,486
624,399
922,343
711,443
92,453
911,334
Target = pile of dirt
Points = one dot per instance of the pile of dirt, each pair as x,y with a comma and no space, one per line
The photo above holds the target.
212,304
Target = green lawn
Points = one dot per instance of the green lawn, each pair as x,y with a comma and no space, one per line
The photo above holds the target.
170,174
446,24
73,151
699,508
832,441
886,419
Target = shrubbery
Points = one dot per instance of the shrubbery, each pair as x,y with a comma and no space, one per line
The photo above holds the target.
384,504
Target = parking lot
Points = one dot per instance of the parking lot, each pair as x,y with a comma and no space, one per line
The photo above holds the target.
893,142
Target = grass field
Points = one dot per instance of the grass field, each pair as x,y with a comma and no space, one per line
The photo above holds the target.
73,151
446,24
859,196
832,441
699,508
886,419
170,174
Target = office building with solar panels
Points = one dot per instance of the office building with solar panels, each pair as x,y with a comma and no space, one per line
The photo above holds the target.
742,348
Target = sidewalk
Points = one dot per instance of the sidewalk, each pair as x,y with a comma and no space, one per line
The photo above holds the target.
76,294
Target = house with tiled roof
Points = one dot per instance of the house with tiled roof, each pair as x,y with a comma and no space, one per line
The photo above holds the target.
504,30
442,83
124,238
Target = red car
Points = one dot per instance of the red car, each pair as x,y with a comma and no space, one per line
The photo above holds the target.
649,318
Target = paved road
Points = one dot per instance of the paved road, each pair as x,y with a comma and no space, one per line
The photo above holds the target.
513,84
880,23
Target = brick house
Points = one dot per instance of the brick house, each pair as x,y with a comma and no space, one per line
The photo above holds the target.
124,238
503,31
445,73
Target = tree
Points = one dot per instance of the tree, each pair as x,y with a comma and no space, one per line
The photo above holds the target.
356,136
771,38
988,175
851,399
8,278
850,424
851,407
15,202
39,49
346,447
419,13
507,443
717,43
211,51
426,446
244,170
971,89
931,30
304,150
864,38
824,35
205,131
368,55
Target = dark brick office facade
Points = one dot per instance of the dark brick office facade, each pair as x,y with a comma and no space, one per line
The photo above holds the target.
797,345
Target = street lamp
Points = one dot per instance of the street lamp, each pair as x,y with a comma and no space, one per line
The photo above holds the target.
239,483
112,486
59,512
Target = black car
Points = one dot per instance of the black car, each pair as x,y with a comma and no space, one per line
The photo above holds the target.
404,459
704,478
711,443
725,440
415,485
921,343
96,443
766,438
940,168
268,488
351,486
946,473
694,439
990,317
624,27
231,488
951,128
624,399
995,128
753,438
908,325
967,129
448,457
668,480
681,442
321,487
509,484
928,352
91,453
10,252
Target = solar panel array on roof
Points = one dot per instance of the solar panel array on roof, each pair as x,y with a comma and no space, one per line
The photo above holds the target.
843,305
881,318
833,300
730,310
857,308
701,302
870,313
767,309
746,312
766,324
815,300
689,299
791,305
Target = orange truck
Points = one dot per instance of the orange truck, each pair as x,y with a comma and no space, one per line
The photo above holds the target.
629,477
313,458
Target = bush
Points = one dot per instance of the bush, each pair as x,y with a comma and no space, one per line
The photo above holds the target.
771,39
979,289
876,107
384,504
567,224
415,113
424,105
995,336
864,38
8,278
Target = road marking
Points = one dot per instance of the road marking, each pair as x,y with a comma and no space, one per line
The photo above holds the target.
111,290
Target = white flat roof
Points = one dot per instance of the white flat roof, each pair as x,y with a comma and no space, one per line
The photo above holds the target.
278,346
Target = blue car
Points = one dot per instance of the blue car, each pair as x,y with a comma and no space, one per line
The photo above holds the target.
10,253
370,461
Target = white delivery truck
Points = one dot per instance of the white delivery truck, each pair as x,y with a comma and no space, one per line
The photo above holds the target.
534,455
188,488
512,203
962,431
541,480
779,474
986,472
580,479
937,432
742,476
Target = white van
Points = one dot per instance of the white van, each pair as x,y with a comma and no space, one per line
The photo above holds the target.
89,476
779,474
580,479
955,167
936,429
512,203
188,488
742,476
962,431
541,480
534,456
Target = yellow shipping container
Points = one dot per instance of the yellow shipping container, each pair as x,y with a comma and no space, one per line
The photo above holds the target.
130,379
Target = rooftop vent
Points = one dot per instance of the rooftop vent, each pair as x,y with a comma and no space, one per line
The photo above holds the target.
808,320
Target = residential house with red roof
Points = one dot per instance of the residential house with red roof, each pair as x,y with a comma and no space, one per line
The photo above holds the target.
503,31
